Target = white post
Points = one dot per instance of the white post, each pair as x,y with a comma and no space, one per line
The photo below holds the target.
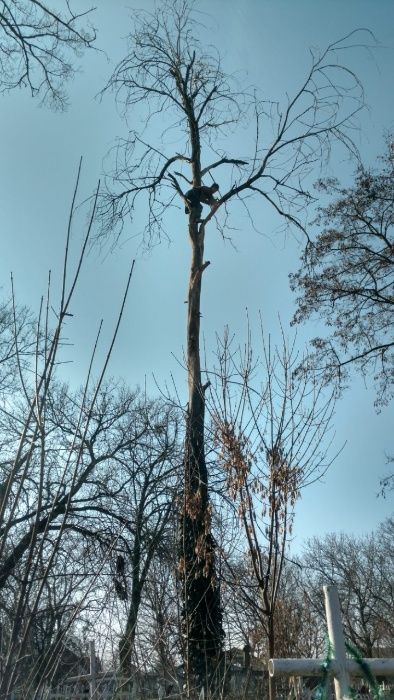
335,634
93,671
340,667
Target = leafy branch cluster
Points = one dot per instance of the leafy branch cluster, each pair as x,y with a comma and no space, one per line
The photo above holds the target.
347,279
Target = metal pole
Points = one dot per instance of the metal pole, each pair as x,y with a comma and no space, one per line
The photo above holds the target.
335,634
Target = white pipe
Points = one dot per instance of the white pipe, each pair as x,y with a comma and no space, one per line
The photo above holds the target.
314,667
335,634
296,667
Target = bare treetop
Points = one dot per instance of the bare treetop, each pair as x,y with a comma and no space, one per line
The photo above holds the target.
36,44
167,61
172,84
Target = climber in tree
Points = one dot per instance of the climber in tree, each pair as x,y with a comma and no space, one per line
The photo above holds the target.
197,196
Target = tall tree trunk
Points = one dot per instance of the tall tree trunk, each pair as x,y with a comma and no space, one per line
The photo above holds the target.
271,655
127,639
126,644
202,614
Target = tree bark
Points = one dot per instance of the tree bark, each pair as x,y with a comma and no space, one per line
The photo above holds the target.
126,643
202,614
271,655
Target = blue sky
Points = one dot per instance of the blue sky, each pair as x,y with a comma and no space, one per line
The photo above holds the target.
266,43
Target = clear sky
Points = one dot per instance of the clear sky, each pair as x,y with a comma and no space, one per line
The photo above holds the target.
266,43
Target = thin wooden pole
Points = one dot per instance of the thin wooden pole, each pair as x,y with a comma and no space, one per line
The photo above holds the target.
93,671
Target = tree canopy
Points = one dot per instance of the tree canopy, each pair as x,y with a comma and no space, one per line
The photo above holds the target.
182,88
36,46
346,278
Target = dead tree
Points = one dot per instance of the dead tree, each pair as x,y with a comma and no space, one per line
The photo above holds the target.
184,90
36,44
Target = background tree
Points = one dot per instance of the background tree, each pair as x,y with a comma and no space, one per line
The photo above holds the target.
106,498
56,600
46,467
163,638
299,630
36,45
17,340
361,568
347,278
143,503
183,88
272,438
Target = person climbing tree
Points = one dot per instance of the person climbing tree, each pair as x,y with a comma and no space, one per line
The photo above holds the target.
197,196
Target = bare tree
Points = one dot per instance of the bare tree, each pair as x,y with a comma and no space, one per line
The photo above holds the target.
299,631
35,45
144,507
17,336
40,479
272,436
347,278
162,638
183,89
117,476
46,624
361,568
